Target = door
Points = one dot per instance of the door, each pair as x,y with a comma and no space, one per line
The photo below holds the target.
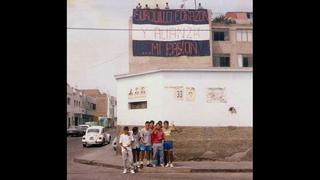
76,121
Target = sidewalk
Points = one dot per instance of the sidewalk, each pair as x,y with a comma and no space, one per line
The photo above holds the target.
107,157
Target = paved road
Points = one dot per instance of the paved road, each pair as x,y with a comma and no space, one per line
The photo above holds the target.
107,174
76,171
75,149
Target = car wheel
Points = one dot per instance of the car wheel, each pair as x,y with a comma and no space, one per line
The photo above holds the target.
84,145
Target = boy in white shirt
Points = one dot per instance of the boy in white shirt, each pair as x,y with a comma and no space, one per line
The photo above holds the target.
125,142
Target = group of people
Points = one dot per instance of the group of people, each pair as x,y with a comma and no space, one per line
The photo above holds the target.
153,142
166,7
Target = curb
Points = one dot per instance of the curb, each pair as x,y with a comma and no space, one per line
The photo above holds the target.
95,163
221,170
175,170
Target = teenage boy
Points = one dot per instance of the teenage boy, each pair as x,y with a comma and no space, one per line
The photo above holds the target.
125,142
145,144
157,139
168,143
136,147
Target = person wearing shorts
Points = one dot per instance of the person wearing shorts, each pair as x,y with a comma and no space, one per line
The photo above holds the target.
145,144
168,143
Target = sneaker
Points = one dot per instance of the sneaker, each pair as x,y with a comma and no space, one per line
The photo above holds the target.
150,165
162,165
168,165
171,165
124,171
132,171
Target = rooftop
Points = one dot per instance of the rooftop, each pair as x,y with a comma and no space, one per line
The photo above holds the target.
121,76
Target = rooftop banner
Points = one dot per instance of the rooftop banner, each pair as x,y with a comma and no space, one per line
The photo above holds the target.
167,33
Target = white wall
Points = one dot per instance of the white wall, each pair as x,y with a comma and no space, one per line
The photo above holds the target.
163,106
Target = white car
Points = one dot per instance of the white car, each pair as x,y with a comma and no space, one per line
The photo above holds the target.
96,135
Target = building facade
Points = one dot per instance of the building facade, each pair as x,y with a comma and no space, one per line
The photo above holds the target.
90,108
80,107
104,107
208,97
187,97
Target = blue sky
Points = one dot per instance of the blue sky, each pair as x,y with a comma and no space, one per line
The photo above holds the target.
93,57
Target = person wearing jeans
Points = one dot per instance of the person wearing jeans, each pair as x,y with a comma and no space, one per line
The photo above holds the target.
157,139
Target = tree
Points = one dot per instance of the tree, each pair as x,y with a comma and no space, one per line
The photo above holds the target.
223,20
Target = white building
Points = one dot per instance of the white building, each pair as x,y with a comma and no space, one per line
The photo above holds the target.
189,97
81,108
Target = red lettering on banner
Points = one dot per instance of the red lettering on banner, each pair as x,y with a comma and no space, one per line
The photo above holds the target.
186,48
194,48
179,49
168,48
171,16
191,15
155,48
205,16
159,17
197,17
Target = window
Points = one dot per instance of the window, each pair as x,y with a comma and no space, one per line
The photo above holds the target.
94,106
68,101
138,105
221,61
221,36
244,35
75,103
245,60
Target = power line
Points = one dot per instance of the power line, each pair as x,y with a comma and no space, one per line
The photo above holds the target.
109,60
127,29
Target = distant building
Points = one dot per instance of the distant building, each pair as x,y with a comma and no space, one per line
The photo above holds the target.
104,108
80,107
241,17
90,108
232,45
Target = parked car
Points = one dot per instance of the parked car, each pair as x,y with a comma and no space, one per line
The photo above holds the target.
75,131
91,124
96,135
84,127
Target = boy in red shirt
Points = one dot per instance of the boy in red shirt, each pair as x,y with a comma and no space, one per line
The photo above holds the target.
157,138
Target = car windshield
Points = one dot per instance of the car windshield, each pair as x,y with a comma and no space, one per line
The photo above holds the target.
93,130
